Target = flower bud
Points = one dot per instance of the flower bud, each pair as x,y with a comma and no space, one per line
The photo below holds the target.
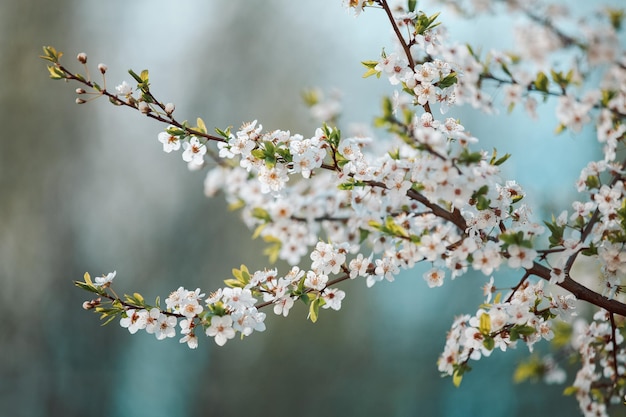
80,101
88,305
144,108
80,91
102,68
82,58
169,108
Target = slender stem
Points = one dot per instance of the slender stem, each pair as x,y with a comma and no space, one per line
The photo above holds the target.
614,350
116,100
580,291
396,29
517,287
328,284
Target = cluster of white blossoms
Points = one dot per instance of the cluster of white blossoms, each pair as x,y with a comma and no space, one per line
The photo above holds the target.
349,209
525,316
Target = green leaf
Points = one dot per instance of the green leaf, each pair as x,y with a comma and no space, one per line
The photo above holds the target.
55,72
530,369
135,76
541,82
87,278
485,324
562,334
233,283
259,229
616,17
314,308
412,5
261,214
223,133
175,131
273,250
489,343
498,161
370,69
457,377
310,97
109,320
559,129
521,330
448,80
51,54
370,72
369,64
468,158
242,275
86,287
236,205
201,125
363,235
482,203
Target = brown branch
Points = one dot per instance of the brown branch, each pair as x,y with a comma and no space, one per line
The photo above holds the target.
580,291
118,101
396,29
328,284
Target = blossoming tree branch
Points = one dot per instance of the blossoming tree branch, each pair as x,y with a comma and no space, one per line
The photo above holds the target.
340,208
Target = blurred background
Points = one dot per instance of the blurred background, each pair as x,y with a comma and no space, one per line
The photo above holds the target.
88,188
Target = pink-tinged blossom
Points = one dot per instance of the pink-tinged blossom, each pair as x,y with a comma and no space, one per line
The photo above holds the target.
238,298
609,198
194,151
487,259
385,268
152,320
191,309
170,142
394,66
134,320
283,305
124,89
434,277
499,317
572,114
166,327
273,179
488,290
563,305
356,6
358,266
613,256
432,246
315,281
248,320
105,280
221,329
519,313
513,95
333,298
191,339
327,259
521,257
